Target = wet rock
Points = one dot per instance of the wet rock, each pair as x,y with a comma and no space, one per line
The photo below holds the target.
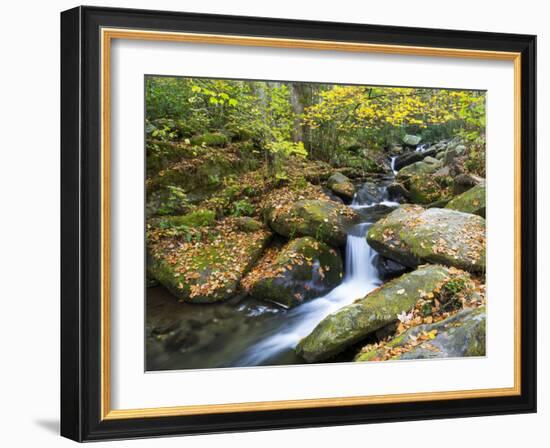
412,157
326,221
397,192
181,340
471,201
341,186
458,336
303,269
376,310
369,193
426,182
388,268
412,235
333,197
463,182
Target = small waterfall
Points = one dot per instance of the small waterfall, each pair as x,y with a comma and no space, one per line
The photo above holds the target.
384,200
360,278
421,148
392,165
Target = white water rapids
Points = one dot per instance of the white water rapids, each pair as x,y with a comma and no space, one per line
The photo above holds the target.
361,277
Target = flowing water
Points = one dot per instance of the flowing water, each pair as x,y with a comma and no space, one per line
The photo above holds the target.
360,278
392,165
421,148
245,332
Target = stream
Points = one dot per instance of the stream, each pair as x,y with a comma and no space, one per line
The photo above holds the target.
246,332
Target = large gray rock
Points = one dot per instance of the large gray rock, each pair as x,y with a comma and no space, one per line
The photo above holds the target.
463,182
458,336
378,309
369,193
397,192
411,140
412,157
326,221
427,181
412,235
471,201
341,185
303,269
388,268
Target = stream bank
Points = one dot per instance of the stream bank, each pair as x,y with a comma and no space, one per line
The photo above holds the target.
241,330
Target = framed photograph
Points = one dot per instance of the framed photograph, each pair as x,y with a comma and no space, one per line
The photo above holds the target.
276,224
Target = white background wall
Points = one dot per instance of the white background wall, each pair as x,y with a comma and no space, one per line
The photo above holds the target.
29,223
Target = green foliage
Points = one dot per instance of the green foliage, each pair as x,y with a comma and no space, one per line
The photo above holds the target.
209,139
286,149
197,218
475,142
202,132
187,226
455,285
243,208
175,199
378,115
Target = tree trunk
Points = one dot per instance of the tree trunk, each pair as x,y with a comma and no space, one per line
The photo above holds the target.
297,99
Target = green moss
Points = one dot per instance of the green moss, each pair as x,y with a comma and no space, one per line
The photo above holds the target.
471,201
248,224
294,275
197,218
365,316
375,353
326,221
461,335
412,235
209,270
210,139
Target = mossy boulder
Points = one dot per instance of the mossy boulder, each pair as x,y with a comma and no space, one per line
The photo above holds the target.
376,310
472,201
463,182
196,218
248,224
369,193
409,158
418,168
324,220
206,264
426,182
210,139
411,140
397,192
412,235
341,185
303,269
458,336
198,172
